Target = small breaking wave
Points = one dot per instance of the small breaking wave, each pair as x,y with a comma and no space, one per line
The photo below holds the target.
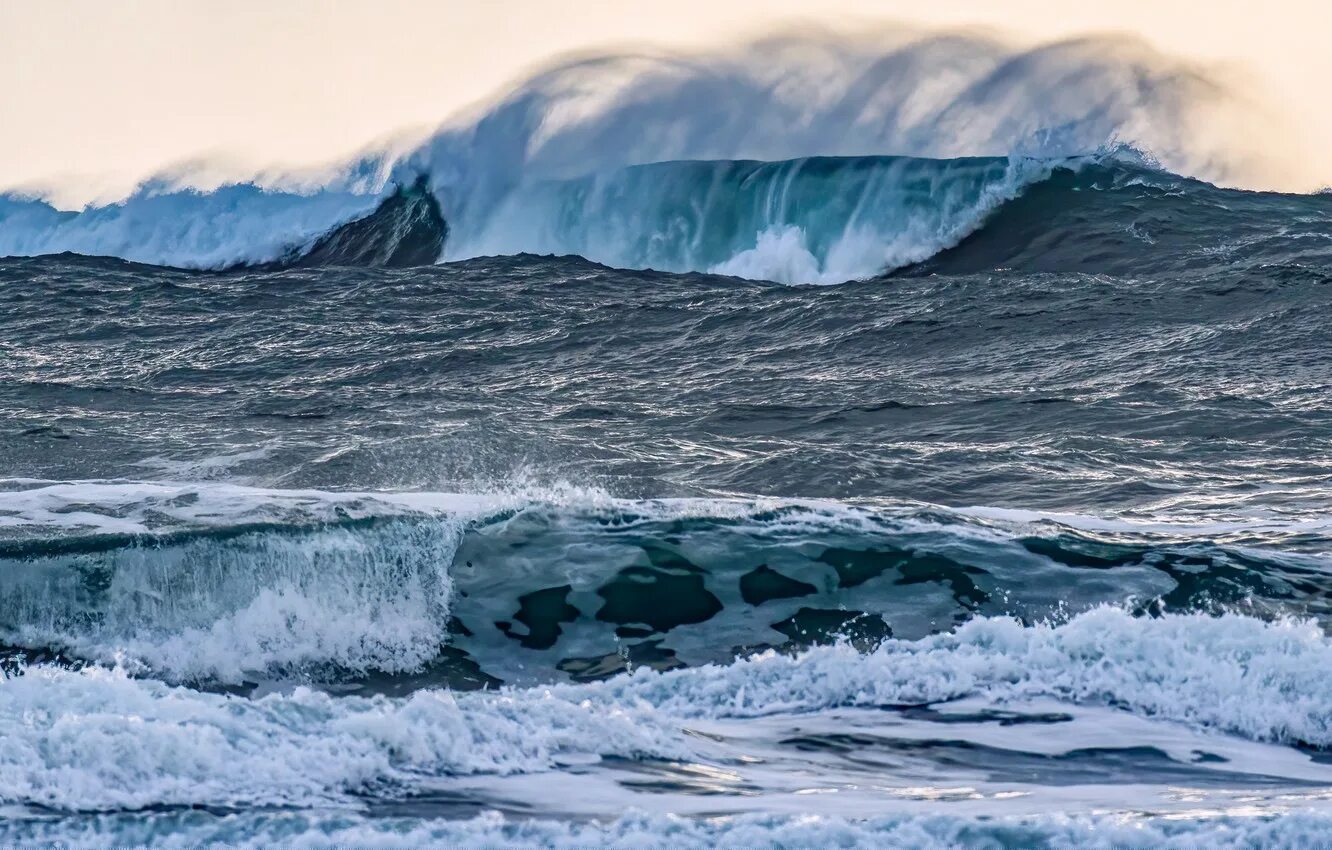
226,584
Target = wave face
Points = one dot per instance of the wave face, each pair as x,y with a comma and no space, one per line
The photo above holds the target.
823,220
405,230
1119,219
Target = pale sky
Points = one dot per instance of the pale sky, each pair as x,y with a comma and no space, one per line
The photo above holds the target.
98,93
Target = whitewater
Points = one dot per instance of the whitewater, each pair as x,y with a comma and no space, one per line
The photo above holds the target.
516,487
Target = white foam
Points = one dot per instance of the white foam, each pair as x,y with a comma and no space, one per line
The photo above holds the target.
1232,673
781,254
142,507
1296,830
98,739
123,506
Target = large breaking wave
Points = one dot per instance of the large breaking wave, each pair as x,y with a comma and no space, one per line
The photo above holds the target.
854,159
810,220
814,220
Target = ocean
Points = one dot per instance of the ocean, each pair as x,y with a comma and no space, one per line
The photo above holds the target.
837,501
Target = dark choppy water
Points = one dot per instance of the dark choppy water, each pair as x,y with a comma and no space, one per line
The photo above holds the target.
1014,532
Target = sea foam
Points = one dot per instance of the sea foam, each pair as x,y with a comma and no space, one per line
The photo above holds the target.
98,739
646,831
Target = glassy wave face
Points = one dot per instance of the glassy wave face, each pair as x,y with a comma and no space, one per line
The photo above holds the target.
819,220
597,533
